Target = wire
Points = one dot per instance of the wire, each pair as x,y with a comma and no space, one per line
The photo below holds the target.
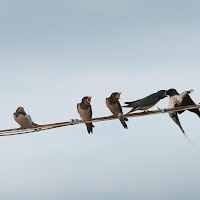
38,128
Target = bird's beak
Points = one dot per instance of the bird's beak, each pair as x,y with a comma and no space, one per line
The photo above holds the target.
89,99
118,95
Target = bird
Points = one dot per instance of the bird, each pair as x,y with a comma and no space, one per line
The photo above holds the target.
115,107
85,111
186,101
23,119
177,100
146,102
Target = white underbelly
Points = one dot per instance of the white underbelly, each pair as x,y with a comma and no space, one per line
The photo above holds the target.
172,101
23,121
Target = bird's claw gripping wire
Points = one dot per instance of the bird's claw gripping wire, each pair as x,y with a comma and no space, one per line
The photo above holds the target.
162,110
73,121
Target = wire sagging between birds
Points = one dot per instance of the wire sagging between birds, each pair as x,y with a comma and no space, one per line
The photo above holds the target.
38,128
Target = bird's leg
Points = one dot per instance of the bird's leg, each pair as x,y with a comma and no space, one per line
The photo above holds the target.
84,119
37,129
21,129
113,116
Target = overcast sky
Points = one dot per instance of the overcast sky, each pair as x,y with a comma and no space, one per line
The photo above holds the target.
53,53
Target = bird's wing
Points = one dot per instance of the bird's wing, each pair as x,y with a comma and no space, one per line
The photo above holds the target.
90,110
119,107
181,97
29,117
107,103
78,107
175,118
147,101
188,101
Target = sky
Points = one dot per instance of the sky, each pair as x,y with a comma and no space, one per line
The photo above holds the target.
53,53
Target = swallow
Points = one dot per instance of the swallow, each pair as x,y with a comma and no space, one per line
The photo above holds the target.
115,107
147,102
186,101
85,111
177,100
23,119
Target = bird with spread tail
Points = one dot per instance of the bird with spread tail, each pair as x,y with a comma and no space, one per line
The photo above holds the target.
115,107
146,102
85,111
23,119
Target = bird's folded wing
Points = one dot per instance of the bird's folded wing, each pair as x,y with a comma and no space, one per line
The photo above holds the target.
181,97
147,101
186,102
119,107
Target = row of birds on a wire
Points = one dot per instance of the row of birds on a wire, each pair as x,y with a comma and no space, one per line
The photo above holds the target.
85,109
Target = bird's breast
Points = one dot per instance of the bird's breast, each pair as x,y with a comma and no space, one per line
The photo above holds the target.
23,120
113,108
84,114
173,101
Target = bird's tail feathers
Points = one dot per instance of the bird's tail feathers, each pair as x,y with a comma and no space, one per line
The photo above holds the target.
179,124
123,123
89,127
197,111
125,119
34,124
190,141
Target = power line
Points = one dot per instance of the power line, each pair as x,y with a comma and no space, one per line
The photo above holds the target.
38,128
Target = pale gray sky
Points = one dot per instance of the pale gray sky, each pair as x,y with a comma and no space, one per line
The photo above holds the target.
52,53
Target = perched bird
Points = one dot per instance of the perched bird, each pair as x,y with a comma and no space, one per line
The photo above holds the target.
177,100
23,119
115,107
147,102
85,111
186,101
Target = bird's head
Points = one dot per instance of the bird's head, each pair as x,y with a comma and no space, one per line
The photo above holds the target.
162,94
20,109
171,92
115,96
86,100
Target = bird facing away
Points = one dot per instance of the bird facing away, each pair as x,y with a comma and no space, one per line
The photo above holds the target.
115,107
147,102
85,111
177,100
23,119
